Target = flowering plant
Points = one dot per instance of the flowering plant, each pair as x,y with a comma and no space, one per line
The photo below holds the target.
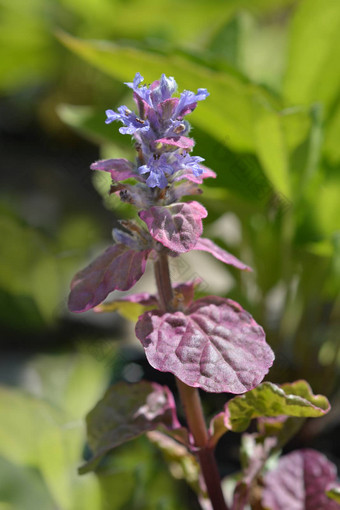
210,343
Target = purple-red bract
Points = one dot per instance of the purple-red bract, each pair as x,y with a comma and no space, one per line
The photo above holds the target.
183,142
215,345
187,173
299,482
176,226
204,244
119,169
118,268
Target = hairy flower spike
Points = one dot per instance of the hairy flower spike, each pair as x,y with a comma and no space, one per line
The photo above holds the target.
160,131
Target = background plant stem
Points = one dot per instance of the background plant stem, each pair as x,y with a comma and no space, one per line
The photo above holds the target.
191,400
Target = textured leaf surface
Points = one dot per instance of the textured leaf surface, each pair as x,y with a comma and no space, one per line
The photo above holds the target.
125,412
118,268
220,254
215,345
177,226
299,482
268,399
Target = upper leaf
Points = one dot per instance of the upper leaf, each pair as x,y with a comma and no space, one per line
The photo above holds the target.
299,482
215,345
118,268
268,399
313,66
220,254
125,412
176,226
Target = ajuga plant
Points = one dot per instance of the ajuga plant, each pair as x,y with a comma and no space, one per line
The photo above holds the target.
210,343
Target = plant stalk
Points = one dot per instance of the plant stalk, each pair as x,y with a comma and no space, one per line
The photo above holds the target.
191,400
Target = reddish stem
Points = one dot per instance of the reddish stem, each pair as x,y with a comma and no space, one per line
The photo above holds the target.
191,400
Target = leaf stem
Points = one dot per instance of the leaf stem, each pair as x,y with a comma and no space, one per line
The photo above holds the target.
191,401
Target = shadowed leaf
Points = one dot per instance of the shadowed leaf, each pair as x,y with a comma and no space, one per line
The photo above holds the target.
126,412
118,268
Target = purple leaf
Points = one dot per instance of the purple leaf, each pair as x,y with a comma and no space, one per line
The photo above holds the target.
126,412
118,268
220,254
299,482
215,345
176,226
120,169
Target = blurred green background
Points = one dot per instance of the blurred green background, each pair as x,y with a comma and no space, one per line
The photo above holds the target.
270,129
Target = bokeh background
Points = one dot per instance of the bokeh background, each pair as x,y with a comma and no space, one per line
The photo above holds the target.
271,131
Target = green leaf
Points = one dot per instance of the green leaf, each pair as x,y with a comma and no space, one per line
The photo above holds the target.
136,478
227,114
331,145
181,462
291,399
22,488
27,43
50,436
268,399
24,418
91,124
125,412
313,69
127,309
333,492
60,377
328,207
272,151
